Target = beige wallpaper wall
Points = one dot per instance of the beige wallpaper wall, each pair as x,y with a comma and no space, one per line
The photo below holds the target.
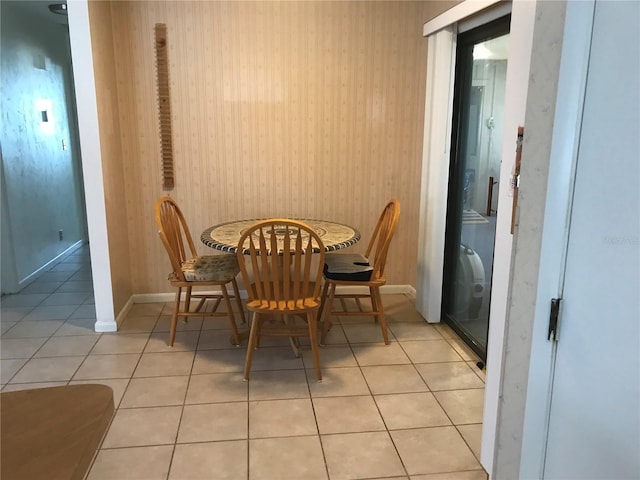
111,151
301,109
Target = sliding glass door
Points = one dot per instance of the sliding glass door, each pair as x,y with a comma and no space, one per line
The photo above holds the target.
474,180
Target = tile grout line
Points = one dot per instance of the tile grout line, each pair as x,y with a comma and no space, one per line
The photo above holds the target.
247,399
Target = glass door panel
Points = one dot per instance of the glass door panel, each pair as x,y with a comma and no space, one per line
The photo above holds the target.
474,181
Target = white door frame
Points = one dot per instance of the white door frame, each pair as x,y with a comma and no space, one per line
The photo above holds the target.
435,180
564,100
558,69
600,272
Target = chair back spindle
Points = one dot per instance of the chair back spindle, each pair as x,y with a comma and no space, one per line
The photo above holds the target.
381,238
175,235
279,253
284,283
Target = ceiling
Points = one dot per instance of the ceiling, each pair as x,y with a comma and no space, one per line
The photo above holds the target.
40,9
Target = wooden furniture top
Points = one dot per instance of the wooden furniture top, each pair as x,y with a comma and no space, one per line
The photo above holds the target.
52,432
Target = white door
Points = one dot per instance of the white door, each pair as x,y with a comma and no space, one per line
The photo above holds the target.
594,428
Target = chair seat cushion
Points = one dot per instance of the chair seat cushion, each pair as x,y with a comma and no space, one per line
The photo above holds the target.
211,268
350,267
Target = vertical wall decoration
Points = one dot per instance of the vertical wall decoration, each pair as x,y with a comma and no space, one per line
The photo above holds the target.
164,106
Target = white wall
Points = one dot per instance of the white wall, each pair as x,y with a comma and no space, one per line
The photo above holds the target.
566,121
88,129
517,84
594,422
556,90
42,180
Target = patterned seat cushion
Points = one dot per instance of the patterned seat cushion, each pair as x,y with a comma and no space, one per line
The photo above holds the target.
211,268
347,267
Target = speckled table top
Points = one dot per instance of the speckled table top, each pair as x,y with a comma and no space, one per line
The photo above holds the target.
225,236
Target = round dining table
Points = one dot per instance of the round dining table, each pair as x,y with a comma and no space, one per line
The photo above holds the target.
225,236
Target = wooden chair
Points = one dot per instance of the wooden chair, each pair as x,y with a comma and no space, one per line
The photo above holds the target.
282,282
191,270
354,269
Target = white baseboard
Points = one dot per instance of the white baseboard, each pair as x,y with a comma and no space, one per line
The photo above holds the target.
411,291
153,297
102,326
170,297
123,313
384,290
34,275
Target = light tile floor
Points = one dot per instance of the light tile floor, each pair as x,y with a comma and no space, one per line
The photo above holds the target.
410,410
